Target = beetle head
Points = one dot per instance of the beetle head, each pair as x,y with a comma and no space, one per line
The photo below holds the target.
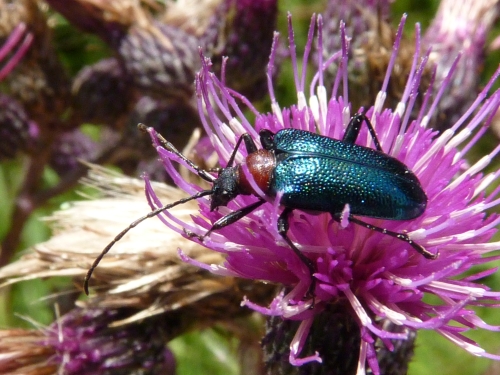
225,188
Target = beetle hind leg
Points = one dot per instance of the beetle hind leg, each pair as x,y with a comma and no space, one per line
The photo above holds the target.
400,236
354,126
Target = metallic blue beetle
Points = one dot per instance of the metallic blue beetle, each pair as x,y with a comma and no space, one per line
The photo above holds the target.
313,173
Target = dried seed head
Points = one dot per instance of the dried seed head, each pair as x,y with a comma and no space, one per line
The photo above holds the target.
12,13
193,16
143,271
23,352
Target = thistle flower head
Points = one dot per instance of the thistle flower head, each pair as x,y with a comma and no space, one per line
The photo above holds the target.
84,341
378,276
459,28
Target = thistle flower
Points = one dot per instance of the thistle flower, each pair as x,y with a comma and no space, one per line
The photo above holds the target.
84,341
377,278
39,81
459,28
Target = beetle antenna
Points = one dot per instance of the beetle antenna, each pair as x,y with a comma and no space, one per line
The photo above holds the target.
132,225
170,147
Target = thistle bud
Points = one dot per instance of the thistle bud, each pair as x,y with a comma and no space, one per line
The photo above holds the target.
245,38
161,59
17,132
39,81
102,93
69,149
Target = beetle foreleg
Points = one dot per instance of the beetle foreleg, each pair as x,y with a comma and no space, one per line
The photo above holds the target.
249,145
401,236
228,219
283,227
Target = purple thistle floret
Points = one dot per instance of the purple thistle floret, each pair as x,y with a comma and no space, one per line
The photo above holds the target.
14,49
460,28
381,277
85,342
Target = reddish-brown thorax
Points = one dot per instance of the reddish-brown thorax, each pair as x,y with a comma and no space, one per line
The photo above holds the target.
261,165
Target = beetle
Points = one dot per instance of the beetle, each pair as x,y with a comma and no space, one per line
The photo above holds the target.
311,172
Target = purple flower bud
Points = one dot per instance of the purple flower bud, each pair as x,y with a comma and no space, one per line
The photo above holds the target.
69,149
162,60
17,132
85,343
371,39
245,39
102,93
175,119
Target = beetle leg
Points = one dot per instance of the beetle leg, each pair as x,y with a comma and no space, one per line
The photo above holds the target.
283,227
353,128
230,218
249,145
401,236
